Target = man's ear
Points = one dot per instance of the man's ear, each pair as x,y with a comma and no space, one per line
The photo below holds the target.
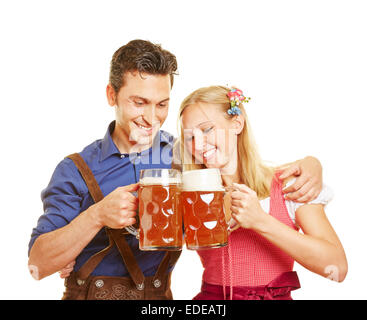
238,123
111,95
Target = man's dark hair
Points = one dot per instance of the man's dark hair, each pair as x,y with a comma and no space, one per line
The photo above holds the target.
144,57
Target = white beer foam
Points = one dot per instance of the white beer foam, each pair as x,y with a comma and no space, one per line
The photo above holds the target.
149,181
202,180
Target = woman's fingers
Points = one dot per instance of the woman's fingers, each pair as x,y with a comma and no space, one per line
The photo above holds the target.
238,195
243,188
237,203
64,275
71,264
65,272
235,210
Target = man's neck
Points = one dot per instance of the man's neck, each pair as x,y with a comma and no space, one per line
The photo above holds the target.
123,143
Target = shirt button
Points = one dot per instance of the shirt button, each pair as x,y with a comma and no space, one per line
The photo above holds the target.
140,286
99,283
157,283
80,282
122,156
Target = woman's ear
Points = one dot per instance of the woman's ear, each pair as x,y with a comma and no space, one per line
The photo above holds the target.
111,95
238,123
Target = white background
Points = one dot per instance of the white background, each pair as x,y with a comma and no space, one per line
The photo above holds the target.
302,62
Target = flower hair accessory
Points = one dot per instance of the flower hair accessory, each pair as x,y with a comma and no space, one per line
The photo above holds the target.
236,97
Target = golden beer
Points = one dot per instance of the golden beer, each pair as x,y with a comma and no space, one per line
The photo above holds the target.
159,215
202,204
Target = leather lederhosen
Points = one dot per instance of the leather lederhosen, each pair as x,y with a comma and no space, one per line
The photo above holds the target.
81,285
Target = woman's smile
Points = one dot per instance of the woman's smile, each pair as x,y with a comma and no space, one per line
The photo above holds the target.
209,154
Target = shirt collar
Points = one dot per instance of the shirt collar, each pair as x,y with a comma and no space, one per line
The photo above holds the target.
108,147
166,138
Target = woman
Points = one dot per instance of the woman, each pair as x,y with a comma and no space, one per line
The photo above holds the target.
265,239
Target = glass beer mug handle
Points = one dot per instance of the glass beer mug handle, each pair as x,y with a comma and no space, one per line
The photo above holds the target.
131,229
232,224
227,209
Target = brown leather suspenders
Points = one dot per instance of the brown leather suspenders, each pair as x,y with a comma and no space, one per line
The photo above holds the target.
116,236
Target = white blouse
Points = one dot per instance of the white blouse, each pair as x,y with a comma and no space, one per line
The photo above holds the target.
324,198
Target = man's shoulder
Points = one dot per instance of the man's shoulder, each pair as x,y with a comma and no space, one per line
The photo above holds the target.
89,153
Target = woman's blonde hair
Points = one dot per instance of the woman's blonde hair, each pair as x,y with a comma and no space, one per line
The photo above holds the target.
253,172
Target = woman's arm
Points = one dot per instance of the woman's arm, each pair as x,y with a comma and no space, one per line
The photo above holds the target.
318,249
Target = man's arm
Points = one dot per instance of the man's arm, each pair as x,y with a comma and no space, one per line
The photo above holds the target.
54,250
308,184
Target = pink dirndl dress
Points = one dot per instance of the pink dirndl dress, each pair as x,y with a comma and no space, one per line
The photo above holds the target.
250,267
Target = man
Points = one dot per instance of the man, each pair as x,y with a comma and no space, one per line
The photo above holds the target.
81,216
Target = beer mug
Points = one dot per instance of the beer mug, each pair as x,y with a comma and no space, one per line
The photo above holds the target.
160,219
202,202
